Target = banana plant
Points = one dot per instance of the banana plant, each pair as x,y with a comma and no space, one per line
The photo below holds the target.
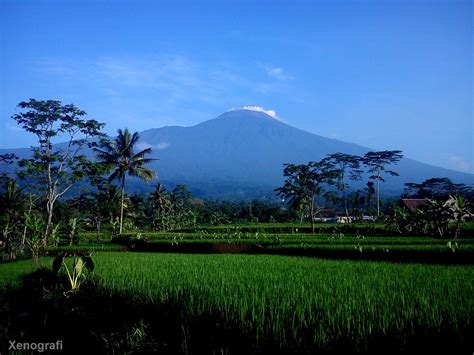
54,237
460,212
76,274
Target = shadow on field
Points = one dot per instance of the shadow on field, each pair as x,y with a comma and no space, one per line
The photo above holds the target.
94,320
367,253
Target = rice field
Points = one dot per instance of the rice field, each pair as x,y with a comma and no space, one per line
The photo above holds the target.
303,303
12,272
276,303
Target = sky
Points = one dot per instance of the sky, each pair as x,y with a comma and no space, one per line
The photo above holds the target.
382,74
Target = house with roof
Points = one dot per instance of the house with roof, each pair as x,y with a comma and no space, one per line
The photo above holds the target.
413,203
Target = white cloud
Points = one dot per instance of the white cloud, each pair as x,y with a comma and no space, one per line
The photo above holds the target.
271,113
277,73
460,163
145,145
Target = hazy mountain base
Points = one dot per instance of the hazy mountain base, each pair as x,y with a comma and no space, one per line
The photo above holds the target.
240,155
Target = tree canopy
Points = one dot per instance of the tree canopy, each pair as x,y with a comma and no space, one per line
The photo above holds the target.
56,168
120,157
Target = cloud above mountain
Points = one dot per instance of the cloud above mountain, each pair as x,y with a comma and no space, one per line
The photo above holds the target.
271,113
146,145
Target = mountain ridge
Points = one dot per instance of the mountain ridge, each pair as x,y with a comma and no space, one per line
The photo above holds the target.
248,148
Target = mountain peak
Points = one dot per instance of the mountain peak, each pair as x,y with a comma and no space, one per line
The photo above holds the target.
270,113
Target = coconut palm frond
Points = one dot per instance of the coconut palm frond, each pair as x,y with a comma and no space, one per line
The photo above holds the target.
142,153
115,175
120,155
143,173
143,161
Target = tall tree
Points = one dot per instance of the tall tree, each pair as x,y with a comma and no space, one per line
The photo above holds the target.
181,197
346,166
162,206
437,188
305,182
160,199
369,195
100,203
297,186
119,156
376,163
56,168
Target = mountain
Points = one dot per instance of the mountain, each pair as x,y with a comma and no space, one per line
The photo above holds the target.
248,148
242,152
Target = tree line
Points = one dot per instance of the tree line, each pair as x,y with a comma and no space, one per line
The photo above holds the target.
329,177
35,213
53,170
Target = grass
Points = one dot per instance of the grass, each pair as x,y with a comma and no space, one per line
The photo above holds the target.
12,272
329,238
252,304
301,303
224,303
89,247
336,245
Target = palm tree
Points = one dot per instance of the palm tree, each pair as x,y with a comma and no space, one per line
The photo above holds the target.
119,155
160,198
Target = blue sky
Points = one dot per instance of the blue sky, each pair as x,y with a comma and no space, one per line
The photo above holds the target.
383,74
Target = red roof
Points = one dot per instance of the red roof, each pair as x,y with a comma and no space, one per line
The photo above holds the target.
414,203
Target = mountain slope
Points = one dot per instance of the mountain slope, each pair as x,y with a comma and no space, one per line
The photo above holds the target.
244,146
250,148
245,149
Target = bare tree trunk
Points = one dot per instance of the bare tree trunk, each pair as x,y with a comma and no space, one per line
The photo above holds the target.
49,223
312,214
97,225
71,238
121,204
23,239
344,195
345,204
378,196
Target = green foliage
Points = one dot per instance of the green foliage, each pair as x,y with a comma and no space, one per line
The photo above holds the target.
119,155
135,339
53,169
434,218
13,204
54,237
438,189
305,182
72,228
274,304
345,164
172,210
115,225
76,273
100,203
460,212
11,273
376,163
299,303
218,217
35,229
